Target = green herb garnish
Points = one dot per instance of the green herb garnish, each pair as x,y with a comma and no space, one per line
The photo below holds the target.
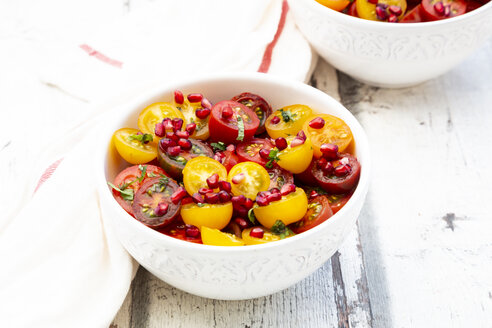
218,146
281,230
143,138
251,215
286,115
273,156
143,169
240,128
200,204
126,193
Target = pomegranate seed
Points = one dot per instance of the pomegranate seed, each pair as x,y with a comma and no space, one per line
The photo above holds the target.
212,198
179,194
219,157
224,196
238,200
238,178
159,130
173,151
248,203
257,232
264,153
182,134
161,209
281,143
213,181
227,112
206,103
374,2
192,231
197,198
178,97
195,97
165,143
328,168
262,201
177,124
381,13
224,185
392,18
447,10
297,142
186,200
383,5
139,133
185,144
329,151
274,197
242,223
168,124
275,120
241,211
313,194
172,136
301,135
342,170
202,113
322,161
344,160
263,193
439,8
275,191
190,128
231,147
204,191
287,189
317,123
395,10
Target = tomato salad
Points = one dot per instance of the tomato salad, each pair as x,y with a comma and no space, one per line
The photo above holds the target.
235,172
404,11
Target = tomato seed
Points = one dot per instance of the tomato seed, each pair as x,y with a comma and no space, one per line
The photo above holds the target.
179,194
192,231
242,223
287,189
195,97
213,181
202,113
178,97
173,151
185,144
257,232
281,143
159,130
296,142
275,120
206,103
161,209
227,113
224,196
190,128
225,186
238,178
264,153
317,123
329,151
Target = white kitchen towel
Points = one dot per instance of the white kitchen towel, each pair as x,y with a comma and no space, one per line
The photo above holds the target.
62,266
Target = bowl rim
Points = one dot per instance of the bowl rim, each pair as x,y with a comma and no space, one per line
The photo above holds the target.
399,26
159,89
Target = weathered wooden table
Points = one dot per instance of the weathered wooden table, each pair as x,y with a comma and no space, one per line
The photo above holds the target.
421,253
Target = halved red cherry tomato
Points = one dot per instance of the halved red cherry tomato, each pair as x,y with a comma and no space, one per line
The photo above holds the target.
174,165
155,113
339,184
472,5
352,10
177,230
232,122
318,211
129,181
430,9
413,16
153,206
131,146
367,10
248,179
259,105
307,176
279,177
338,201
230,159
337,5
250,150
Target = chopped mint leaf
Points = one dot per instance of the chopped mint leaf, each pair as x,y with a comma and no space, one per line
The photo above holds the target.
281,230
200,204
143,138
143,169
273,156
240,128
286,115
251,215
126,193
218,146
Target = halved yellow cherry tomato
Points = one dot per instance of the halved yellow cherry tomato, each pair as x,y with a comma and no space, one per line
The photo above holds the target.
289,209
215,216
188,110
297,159
248,179
267,237
291,120
335,131
367,10
154,114
216,237
132,150
197,170
337,5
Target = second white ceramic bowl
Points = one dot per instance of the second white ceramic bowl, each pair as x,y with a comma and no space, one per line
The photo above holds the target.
391,55
220,272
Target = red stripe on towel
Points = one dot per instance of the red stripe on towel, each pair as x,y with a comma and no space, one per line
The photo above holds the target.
100,56
48,173
267,55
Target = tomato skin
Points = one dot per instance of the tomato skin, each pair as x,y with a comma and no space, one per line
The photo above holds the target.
215,216
279,177
259,105
131,176
319,211
249,151
147,198
175,166
226,129
458,7
337,5
413,16
339,185
352,10
133,151
155,113
177,230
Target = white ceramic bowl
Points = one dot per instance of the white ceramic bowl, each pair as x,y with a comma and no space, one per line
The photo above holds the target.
231,273
391,55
